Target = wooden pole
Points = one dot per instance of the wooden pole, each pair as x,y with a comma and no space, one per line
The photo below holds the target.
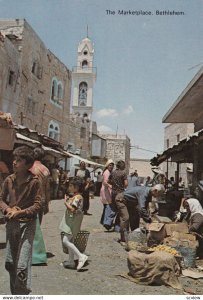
177,179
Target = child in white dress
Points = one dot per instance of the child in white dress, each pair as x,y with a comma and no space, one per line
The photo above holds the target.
71,223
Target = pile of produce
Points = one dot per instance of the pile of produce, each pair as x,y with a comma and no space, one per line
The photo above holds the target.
164,248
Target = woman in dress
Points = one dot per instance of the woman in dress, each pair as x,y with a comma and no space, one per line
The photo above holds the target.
106,197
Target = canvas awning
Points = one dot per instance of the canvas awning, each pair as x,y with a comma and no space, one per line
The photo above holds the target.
53,151
26,139
31,142
83,159
57,153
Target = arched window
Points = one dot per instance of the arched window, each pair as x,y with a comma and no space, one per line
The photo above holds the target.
54,131
85,64
82,99
54,90
57,93
51,131
60,91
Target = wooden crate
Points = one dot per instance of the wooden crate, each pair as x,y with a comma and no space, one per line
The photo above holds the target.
178,227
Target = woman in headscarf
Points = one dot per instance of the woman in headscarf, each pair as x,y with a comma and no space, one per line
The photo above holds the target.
195,211
106,197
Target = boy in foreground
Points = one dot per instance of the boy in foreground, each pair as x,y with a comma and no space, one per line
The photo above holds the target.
20,202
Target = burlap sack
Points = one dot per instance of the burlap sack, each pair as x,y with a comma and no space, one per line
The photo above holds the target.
157,268
131,245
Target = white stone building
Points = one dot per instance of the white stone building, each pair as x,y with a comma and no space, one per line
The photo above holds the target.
117,148
84,77
142,166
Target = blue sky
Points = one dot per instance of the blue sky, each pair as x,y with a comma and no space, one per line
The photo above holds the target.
143,62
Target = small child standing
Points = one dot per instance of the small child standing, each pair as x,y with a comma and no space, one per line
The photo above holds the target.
71,223
20,201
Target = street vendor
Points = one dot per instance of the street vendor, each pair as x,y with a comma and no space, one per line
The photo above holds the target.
195,211
141,195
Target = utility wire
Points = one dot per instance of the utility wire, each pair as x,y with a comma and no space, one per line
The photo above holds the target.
137,147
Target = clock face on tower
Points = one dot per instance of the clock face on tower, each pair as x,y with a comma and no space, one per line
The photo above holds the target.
82,99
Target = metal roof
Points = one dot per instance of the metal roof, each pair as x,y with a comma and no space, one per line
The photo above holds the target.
177,148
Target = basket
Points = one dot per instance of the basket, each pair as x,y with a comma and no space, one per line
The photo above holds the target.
80,241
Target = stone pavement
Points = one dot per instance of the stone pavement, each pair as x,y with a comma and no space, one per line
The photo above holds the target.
107,259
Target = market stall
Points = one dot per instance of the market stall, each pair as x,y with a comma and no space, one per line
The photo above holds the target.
168,251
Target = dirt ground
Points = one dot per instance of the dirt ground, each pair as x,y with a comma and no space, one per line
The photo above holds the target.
107,259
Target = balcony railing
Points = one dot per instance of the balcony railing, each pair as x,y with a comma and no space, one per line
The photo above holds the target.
77,69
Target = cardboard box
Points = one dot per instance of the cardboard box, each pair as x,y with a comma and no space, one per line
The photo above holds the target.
183,236
162,219
175,243
178,227
156,226
157,233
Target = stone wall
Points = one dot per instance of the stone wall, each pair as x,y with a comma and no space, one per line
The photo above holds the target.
37,68
176,132
142,166
9,75
117,148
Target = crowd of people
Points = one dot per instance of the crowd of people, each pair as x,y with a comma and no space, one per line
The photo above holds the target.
59,180
25,198
124,199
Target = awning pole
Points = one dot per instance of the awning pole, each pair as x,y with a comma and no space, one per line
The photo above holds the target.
177,178
65,163
167,174
196,165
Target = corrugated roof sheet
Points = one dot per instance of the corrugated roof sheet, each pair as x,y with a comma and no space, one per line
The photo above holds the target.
178,147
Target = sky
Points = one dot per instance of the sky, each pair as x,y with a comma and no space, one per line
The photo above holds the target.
143,62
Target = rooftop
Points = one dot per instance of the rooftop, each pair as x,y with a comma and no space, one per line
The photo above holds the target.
189,105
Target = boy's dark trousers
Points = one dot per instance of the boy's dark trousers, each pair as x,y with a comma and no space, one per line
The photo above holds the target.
86,200
134,217
19,237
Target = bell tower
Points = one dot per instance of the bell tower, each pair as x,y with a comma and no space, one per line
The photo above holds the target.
84,77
